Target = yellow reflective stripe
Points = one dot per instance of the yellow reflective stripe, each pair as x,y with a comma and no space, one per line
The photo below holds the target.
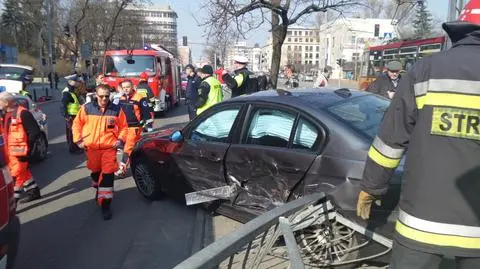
420,101
449,99
239,79
437,239
381,159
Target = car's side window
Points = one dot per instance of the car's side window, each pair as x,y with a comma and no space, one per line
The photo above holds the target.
216,127
306,135
270,127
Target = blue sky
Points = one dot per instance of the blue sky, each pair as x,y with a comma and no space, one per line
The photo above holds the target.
189,10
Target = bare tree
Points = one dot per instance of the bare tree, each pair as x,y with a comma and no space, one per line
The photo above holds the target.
402,13
373,9
247,15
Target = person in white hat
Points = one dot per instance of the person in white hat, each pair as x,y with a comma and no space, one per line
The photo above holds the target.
239,83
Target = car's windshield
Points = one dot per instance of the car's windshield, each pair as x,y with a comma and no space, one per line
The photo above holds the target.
363,114
13,73
124,66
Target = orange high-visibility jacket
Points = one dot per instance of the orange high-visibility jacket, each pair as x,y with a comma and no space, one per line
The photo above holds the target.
17,141
99,128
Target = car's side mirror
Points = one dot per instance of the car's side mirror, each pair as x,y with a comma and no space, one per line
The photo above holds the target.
177,137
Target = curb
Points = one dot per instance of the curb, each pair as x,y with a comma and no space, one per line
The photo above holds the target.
198,231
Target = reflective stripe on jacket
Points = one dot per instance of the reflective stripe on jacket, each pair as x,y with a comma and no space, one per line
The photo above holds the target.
72,108
99,128
17,142
435,114
215,95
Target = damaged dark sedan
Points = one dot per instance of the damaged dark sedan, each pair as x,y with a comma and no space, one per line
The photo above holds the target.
270,147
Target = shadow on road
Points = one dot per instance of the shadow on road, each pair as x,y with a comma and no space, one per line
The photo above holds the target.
140,235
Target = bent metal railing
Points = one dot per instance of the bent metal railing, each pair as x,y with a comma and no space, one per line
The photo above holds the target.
306,232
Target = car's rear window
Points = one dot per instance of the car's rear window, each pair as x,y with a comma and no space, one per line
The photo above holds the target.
364,113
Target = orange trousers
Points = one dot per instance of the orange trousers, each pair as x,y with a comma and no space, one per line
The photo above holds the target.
134,134
103,164
20,172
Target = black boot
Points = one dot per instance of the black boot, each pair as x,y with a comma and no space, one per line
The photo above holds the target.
106,211
31,195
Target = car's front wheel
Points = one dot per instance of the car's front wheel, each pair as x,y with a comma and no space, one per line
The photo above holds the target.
39,149
146,181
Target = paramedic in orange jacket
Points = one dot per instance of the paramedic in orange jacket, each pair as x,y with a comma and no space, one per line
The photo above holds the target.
101,127
21,132
136,109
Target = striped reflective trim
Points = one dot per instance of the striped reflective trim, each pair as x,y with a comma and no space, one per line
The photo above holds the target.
450,99
382,160
437,239
149,121
104,195
105,189
386,150
438,227
447,87
475,11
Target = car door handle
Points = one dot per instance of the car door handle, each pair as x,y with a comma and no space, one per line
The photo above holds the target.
213,157
289,169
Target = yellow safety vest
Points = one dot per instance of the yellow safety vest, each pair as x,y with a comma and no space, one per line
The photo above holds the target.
215,95
72,108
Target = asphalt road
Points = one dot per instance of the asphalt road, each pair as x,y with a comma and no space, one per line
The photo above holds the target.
65,230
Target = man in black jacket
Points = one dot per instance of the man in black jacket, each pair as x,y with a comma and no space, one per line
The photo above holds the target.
386,84
193,83
239,83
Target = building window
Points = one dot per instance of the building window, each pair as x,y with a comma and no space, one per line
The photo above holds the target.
318,48
317,62
296,40
311,55
289,39
289,32
288,48
295,33
300,40
317,55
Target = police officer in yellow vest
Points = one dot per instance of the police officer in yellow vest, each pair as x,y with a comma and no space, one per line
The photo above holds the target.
210,90
70,108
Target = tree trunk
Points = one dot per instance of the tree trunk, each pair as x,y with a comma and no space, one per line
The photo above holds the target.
278,36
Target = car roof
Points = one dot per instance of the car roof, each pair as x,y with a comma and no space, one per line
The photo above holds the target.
309,99
17,66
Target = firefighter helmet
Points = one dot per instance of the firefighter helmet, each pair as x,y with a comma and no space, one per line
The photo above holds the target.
468,21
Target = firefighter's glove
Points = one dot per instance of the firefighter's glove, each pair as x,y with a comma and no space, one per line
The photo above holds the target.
364,204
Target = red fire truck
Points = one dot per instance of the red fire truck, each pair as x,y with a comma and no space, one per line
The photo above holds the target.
158,62
407,52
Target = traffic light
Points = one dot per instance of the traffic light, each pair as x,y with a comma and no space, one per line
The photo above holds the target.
377,30
185,43
339,62
66,30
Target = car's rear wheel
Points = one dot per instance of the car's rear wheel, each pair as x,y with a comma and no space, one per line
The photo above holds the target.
39,149
147,183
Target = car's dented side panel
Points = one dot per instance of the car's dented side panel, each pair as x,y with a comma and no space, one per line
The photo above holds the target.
268,174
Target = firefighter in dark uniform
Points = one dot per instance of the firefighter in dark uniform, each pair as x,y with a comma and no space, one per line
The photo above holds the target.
146,92
435,115
238,84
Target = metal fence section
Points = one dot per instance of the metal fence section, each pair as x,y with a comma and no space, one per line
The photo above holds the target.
305,233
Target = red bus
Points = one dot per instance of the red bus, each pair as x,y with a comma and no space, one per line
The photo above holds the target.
159,63
407,52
